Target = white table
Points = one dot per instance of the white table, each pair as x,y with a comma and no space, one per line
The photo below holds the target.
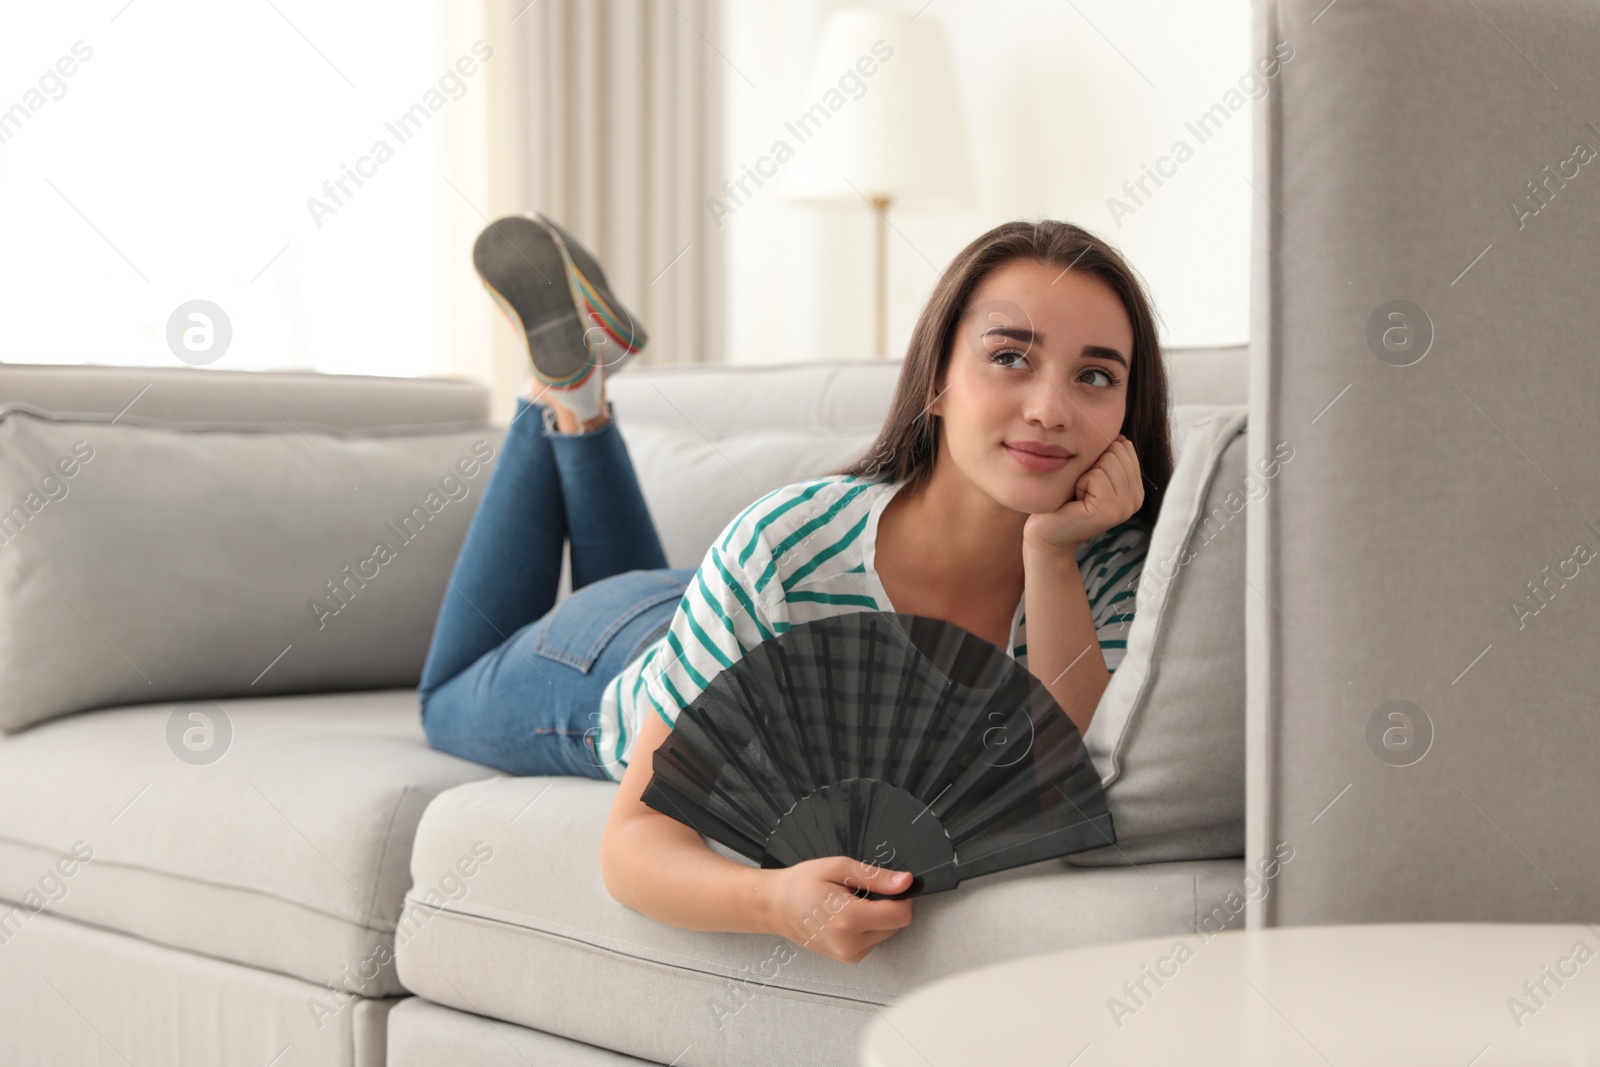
1410,994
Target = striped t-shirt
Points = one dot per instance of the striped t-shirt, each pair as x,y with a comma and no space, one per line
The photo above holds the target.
805,552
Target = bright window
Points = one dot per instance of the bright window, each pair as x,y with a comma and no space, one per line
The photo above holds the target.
176,160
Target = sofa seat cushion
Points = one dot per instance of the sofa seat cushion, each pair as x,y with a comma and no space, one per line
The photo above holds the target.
425,1034
274,832
535,938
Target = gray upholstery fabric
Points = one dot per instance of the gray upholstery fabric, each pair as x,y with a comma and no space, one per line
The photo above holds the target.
423,1034
267,399
289,853
694,486
73,995
828,396
707,440
533,937
148,562
1168,735
1427,501
1209,375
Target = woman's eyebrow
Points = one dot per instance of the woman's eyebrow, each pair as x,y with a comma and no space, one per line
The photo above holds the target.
1018,333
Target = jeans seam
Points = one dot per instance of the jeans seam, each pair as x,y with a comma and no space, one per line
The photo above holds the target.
618,624
586,662
651,638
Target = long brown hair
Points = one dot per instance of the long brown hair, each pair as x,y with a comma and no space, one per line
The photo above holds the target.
908,445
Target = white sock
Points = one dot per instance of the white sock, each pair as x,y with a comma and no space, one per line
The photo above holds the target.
582,400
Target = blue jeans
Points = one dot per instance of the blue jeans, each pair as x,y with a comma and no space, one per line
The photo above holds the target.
509,682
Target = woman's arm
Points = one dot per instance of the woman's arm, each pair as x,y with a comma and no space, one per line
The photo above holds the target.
1063,645
660,867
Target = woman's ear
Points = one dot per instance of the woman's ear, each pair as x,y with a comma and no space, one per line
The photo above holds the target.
933,406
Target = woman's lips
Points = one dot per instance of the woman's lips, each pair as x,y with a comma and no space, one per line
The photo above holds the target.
1035,462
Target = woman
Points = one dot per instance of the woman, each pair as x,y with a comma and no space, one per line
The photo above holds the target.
1011,492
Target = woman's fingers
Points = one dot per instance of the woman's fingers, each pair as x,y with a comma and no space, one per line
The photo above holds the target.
1123,470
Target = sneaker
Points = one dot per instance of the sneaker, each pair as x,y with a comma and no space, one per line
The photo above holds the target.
555,293
611,327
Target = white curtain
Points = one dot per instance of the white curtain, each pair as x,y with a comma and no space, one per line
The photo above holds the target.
606,115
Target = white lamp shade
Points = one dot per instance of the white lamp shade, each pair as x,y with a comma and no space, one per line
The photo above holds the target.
882,116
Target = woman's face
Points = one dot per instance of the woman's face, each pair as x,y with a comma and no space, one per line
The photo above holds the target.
1040,359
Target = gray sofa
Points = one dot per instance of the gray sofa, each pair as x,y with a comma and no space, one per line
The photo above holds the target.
332,891
330,888
1422,674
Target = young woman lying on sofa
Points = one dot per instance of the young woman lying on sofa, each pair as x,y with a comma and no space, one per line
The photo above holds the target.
1011,492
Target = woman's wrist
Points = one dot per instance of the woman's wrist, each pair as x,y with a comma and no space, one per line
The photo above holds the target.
761,914
1062,557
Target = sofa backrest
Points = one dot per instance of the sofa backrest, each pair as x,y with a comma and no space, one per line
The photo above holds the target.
184,394
173,442
1422,611
708,440
848,395
839,396
160,526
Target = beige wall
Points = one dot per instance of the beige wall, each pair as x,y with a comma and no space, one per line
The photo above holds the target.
1058,120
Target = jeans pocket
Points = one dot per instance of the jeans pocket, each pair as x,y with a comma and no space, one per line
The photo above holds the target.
579,629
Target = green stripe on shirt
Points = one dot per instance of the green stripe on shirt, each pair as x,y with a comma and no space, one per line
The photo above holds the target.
1113,580
740,594
826,554
771,517
799,536
811,597
682,657
716,606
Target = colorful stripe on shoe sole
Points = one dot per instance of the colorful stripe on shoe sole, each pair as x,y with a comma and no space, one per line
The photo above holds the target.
584,294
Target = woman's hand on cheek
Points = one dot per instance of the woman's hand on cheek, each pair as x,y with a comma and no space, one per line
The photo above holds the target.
1108,493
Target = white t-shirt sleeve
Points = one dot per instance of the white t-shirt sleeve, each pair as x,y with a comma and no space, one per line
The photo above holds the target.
733,603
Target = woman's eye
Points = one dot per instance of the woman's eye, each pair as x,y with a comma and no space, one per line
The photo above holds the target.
1111,380
999,356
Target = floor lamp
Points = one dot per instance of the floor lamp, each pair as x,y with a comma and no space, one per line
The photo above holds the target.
882,126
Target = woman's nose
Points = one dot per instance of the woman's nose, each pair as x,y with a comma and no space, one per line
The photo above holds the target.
1049,405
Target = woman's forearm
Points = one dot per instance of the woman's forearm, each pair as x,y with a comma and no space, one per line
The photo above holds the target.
1063,647
661,868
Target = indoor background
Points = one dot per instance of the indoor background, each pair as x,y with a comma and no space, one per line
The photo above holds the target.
176,163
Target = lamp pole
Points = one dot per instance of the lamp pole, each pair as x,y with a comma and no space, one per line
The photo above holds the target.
880,346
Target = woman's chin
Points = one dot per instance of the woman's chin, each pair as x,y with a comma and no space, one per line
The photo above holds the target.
1036,494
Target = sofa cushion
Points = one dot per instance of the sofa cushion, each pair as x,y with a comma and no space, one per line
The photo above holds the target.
695,487
537,939
283,843
1168,734
144,561
153,1005
425,1034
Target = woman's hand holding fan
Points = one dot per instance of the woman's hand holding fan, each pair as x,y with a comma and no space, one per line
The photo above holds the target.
867,743
815,904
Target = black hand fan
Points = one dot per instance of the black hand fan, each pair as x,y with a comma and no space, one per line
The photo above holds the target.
896,739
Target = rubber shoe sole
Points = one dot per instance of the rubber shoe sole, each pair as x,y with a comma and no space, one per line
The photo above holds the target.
548,285
612,330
